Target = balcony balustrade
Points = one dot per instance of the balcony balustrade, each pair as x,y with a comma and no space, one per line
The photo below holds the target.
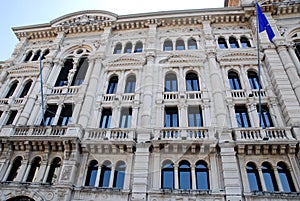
110,134
65,90
183,134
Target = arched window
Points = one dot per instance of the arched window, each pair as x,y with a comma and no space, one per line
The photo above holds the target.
192,44
285,178
128,47
21,198
253,80
266,120
28,56
34,168
253,177
54,170
168,45
105,174
184,170
242,117
180,44
138,47
222,43
118,49
119,175
45,53
62,79
167,175
36,55
15,169
245,42
130,84
202,176
26,89
125,118
12,89
192,83
106,118
233,42
269,177
112,85
234,81
170,82
91,173
80,72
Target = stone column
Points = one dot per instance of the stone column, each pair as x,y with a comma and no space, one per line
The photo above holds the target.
156,169
98,176
193,174
294,170
176,177
46,173
135,110
294,58
112,175
261,178
28,167
278,181
290,69
214,170
7,172
57,114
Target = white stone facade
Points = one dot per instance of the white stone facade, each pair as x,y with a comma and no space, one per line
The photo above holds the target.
154,106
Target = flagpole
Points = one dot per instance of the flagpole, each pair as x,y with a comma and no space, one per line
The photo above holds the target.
258,63
42,92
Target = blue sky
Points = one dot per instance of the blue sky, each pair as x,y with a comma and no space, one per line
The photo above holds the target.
14,13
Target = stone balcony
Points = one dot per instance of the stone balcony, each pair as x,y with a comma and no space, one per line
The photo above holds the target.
64,90
242,93
126,97
12,101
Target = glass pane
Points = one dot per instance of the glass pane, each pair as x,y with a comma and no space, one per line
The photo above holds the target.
185,179
106,177
168,179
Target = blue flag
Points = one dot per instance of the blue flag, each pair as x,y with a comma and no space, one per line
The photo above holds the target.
263,23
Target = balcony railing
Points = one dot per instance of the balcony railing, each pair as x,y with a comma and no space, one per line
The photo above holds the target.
183,134
242,93
262,134
11,100
65,90
39,131
110,134
171,95
193,94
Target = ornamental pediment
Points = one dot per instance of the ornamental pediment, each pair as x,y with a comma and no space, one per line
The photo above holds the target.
126,60
237,56
183,58
84,18
23,69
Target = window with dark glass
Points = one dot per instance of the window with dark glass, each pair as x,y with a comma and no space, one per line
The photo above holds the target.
65,116
266,120
167,175
192,44
170,82
54,170
130,84
15,169
36,55
112,85
126,115
285,178
138,47
269,177
62,79
105,174
80,72
234,81
222,43
28,56
245,42
168,45
253,177
12,89
202,176
26,89
180,45
128,48
253,80
184,171
118,49
233,42
12,116
49,115
192,83
34,168
242,117
45,53
119,175
171,117
91,173
106,118
195,116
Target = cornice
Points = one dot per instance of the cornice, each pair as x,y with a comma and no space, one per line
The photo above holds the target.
239,56
125,60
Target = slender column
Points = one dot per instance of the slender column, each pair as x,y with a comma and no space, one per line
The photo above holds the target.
232,114
46,173
295,172
57,114
156,169
227,42
176,176
278,181
193,174
183,120
262,180
115,117
58,64
7,172
253,113
206,114
134,116
294,58
112,175
214,170
98,176
27,172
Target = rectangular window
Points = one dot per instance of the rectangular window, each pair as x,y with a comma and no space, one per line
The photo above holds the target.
12,117
49,115
171,117
242,118
195,116
266,120
65,116
126,115
105,118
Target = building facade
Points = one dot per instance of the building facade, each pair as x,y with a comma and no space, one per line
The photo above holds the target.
153,106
